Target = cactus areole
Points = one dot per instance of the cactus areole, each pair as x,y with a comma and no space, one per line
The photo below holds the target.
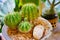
12,20
29,11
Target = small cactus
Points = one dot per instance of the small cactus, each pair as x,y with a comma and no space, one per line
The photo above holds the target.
29,11
25,27
12,20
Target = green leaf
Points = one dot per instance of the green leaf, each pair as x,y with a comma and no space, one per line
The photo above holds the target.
43,0
18,5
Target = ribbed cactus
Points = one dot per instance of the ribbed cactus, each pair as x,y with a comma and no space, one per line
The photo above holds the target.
25,27
12,20
29,11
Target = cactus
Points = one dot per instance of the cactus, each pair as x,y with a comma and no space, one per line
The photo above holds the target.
29,11
12,20
25,27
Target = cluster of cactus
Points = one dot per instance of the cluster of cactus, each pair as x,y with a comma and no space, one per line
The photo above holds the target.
25,27
12,20
29,11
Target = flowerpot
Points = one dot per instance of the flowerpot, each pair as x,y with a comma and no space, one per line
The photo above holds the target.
53,22
53,19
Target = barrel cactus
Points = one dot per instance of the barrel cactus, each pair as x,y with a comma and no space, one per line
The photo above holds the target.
25,27
29,11
12,20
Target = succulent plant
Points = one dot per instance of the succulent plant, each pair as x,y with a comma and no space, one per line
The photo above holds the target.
51,13
12,20
29,11
25,27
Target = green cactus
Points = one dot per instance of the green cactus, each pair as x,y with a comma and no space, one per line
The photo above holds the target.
25,27
29,11
12,20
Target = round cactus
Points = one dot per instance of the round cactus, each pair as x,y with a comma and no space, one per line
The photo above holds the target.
29,11
12,20
25,27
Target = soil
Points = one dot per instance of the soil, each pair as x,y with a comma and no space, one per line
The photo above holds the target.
49,17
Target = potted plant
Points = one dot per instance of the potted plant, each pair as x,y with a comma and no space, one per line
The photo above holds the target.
50,14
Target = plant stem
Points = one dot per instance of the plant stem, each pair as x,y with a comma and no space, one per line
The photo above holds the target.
57,3
52,9
49,2
53,2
